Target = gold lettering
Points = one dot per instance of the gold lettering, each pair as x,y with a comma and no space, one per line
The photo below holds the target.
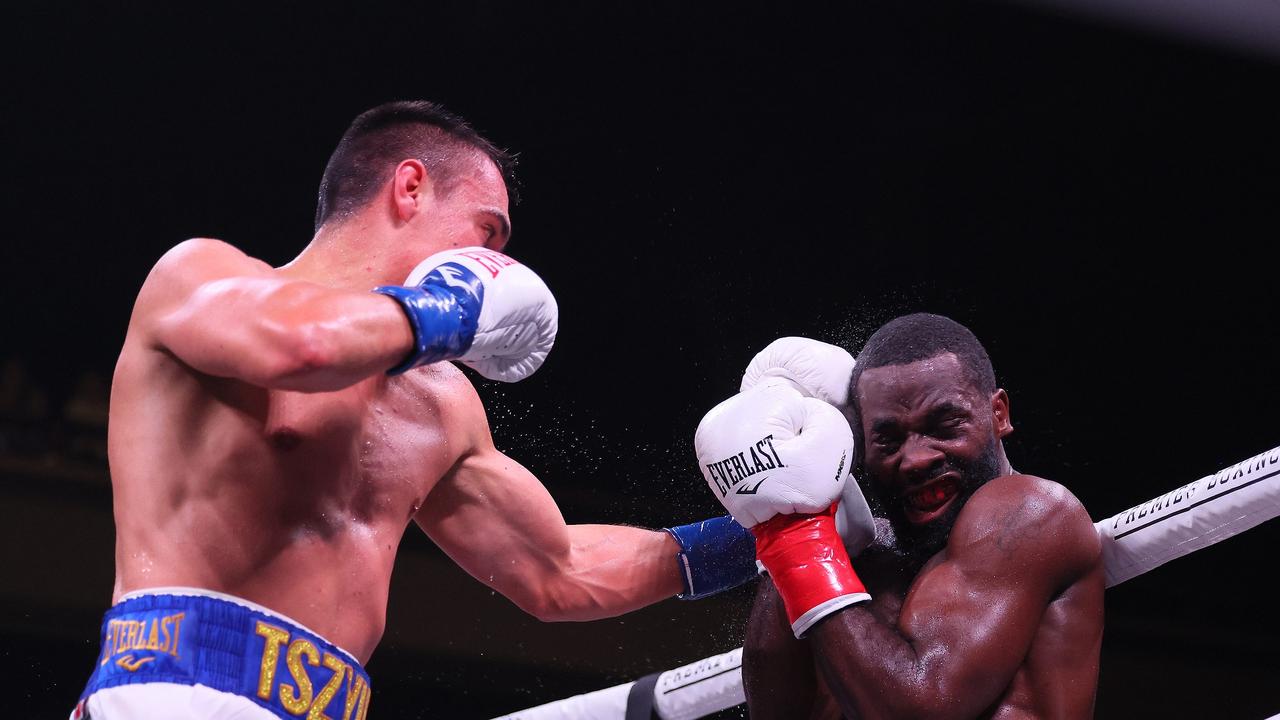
130,634
140,640
108,642
365,695
275,637
177,628
153,642
117,637
353,696
161,633
164,633
330,688
298,704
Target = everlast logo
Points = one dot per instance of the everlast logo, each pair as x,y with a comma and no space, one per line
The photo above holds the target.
731,471
158,634
489,260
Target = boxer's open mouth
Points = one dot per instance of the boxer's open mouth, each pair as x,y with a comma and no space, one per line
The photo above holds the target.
926,502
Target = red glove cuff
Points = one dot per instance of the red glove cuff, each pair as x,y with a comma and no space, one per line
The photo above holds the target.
809,565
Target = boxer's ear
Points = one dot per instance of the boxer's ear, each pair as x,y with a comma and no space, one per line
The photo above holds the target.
1000,413
411,189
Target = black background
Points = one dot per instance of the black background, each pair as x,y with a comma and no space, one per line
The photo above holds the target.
1097,204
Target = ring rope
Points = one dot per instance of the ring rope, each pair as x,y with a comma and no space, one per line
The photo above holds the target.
1135,541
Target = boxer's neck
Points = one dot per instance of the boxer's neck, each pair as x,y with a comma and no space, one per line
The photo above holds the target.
356,255
336,262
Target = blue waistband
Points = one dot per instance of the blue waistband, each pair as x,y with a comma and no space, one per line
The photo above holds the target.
195,639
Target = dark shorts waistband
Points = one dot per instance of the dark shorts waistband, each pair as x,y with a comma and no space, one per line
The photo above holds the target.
231,647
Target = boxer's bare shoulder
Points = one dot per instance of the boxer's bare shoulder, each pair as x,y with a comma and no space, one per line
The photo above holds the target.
204,249
190,264
1022,510
183,283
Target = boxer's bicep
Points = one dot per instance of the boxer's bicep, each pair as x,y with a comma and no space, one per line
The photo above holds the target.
229,315
497,522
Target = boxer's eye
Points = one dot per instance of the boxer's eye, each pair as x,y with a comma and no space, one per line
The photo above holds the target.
948,429
886,445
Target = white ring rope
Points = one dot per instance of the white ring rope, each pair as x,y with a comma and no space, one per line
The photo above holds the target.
1138,540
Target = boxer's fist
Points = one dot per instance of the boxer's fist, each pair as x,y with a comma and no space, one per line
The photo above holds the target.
480,307
821,369
778,461
771,450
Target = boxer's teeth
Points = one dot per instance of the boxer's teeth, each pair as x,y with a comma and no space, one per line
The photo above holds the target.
933,496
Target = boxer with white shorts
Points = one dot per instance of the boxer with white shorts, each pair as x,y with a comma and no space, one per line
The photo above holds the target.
274,431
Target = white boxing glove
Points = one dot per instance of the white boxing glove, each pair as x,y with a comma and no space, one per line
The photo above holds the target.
822,369
778,460
771,450
480,307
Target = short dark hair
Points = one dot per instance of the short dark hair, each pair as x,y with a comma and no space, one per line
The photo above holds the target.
920,336
383,136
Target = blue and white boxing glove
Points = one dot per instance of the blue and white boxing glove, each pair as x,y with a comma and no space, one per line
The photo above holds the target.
479,307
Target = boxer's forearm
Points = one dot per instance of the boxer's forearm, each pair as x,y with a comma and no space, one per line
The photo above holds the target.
611,570
286,335
876,672
345,339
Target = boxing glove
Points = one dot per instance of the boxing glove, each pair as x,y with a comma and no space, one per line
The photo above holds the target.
479,307
823,371
778,461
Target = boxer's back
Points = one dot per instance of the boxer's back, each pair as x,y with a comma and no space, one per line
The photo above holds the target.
296,501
